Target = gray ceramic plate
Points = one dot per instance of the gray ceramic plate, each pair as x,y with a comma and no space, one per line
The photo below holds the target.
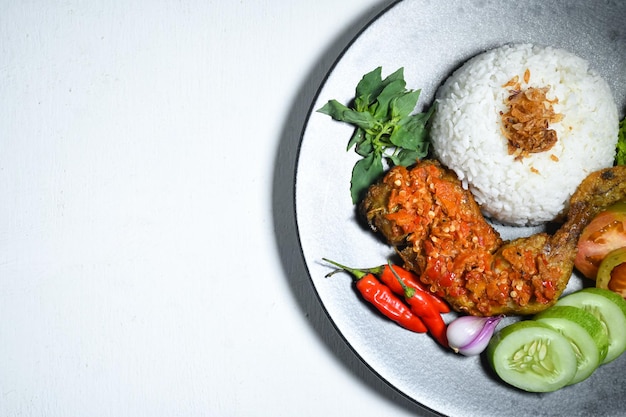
430,39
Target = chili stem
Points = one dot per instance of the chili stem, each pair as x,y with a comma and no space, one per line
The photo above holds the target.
358,273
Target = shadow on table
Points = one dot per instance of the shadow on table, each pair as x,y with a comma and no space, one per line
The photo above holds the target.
285,229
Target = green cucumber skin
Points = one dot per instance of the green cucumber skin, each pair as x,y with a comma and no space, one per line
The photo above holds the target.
584,331
498,358
577,301
590,323
599,297
614,297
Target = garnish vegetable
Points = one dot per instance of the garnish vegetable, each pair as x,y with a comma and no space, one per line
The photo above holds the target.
423,304
584,331
605,233
612,272
420,305
532,356
620,157
470,335
395,276
610,309
385,301
387,277
562,345
386,126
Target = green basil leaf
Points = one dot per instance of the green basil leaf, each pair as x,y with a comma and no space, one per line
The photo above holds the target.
411,134
334,109
371,87
364,173
367,89
364,147
384,126
425,116
403,137
357,137
343,113
404,104
397,75
390,92
407,157
364,120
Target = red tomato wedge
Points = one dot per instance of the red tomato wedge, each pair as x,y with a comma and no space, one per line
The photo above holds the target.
605,233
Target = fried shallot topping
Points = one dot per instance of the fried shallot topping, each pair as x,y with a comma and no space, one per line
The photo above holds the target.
527,123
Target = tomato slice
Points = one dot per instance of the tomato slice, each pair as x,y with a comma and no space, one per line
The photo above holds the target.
612,272
605,233
618,280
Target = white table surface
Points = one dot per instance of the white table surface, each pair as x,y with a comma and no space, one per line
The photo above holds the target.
148,254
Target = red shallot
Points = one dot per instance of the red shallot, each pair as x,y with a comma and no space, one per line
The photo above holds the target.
470,335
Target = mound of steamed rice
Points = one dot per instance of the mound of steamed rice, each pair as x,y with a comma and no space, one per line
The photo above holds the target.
467,131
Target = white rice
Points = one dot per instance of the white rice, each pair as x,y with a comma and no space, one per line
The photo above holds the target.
467,137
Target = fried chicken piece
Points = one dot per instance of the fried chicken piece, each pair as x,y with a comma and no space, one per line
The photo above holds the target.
438,230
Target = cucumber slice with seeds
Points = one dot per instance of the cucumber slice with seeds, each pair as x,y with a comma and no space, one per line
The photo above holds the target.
585,333
532,356
610,309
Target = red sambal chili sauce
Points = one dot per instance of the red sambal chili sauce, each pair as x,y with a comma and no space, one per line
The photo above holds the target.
457,254
433,211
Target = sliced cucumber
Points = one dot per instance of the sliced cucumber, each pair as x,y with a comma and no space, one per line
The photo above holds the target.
610,309
532,356
584,331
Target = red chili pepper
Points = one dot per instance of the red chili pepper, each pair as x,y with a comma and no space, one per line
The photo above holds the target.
438,329
381,297
385,274
420,305
423,308
410,280
385,301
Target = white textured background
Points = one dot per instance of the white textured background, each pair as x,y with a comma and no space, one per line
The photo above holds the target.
148,258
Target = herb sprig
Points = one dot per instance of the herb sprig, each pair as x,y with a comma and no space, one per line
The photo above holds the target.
387,129
620,157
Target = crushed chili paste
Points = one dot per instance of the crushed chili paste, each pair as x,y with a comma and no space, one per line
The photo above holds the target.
439,232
